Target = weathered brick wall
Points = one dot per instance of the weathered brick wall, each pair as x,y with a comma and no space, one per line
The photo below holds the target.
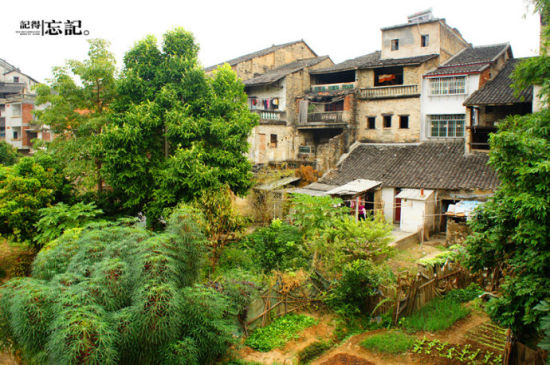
451,42
329,153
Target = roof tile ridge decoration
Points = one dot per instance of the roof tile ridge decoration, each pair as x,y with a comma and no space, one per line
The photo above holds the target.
259,53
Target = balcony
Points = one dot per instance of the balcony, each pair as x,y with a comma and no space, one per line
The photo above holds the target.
389,92
317,120
479,137
271,116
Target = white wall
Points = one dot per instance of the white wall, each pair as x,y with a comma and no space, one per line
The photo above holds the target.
388,197
442,104
414,212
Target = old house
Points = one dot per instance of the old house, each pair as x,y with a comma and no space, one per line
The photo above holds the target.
272,95
493,102
375,97
16,106
417,181
445,89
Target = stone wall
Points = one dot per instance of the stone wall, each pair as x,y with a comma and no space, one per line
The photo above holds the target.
329,153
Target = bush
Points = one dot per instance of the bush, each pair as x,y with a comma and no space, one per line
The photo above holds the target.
118,294
57,219
467,294
437,315
8,154
388,342
278,246
279,332
359,282
314,350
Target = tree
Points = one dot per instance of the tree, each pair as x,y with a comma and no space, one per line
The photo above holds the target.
118,294
511,232
79,95
8,154
31,184
175,132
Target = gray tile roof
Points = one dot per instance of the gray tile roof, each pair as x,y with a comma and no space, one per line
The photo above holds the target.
252,55
372,60
471,60
280,72
7,88
428,165
499,91
6,65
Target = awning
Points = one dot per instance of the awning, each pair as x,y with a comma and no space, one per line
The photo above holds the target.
313,189
354,187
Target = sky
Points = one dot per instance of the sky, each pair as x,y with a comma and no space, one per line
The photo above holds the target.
227,29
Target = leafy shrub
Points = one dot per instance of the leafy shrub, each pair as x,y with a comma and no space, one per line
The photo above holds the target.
279,332
117,294
388,342
454,253
471,292
359,282
278,246
437,315
314,350
31,184
8,154
58,218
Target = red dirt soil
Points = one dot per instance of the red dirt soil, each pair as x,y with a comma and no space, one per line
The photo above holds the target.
345,359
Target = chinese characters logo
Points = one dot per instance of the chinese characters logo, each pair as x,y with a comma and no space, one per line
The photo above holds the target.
53,27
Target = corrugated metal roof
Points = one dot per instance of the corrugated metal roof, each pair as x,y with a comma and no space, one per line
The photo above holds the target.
354,187
278,184
415,194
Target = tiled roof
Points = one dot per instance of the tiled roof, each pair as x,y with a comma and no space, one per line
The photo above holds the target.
252,55
6,65
471,60
11,88
428,165
372,60
280,72
434,20
499,91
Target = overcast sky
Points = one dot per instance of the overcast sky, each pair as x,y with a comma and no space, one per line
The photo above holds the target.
226,29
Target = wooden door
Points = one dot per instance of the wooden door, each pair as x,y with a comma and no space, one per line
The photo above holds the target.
397,206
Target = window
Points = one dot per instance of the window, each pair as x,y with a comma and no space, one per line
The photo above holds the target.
273,140
16,79
387,121
404,121
424,40
305,149
371,122
447,125
394,44
15,135
448,85
2,127
388,76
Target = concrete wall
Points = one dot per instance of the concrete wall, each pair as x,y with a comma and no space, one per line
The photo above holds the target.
409,40
416,214
261,150
388,199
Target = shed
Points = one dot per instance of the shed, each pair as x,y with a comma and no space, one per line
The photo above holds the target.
417,209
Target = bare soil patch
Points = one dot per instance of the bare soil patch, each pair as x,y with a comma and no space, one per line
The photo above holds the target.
345,359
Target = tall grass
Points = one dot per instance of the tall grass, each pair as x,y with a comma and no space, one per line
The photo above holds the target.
388,342
439,314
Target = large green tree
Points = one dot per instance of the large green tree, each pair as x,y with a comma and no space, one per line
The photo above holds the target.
175,132
78,99
117,294
511,232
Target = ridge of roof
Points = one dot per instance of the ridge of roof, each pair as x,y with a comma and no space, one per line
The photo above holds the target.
403,25
7,65
261,52
498,91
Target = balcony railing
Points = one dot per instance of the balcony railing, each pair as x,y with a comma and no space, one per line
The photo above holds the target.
271,115
325,117
382,92
330,87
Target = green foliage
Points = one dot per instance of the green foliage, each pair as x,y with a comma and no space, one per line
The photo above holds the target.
313,351
279,332
8,154
175,133
437,315
58,218
360,281
452,254
117,294
31,184
544,308
392,342
512,230
467,294
278,246
335,238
